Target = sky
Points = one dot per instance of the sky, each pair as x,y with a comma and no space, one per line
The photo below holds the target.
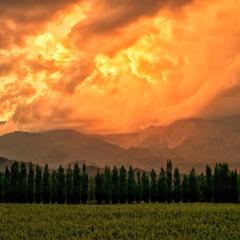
106,66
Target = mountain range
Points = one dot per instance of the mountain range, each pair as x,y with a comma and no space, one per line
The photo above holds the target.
188,143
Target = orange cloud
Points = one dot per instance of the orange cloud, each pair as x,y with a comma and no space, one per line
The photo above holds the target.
117,66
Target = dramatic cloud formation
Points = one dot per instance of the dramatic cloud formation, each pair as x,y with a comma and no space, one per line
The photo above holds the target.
117,65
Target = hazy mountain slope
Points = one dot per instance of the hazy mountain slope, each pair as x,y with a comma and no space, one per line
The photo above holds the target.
65,146
187,142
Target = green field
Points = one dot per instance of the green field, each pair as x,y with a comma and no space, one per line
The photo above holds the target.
145,221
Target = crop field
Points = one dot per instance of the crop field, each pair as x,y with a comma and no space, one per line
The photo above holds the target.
144,221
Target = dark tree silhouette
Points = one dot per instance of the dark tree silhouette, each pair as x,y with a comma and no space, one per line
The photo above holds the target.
23,183
131,186
234,190
193,187
177,186
107,185
139,188
123,185
54,187
1,188
69,185
30,184
84,188
185,189
115,186
61,185
99,187
38,185
162,186
91,189
76,185
14,189
154,187
209,184
7,185
169,181
146,188
46,187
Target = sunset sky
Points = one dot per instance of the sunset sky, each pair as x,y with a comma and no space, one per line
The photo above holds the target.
101,66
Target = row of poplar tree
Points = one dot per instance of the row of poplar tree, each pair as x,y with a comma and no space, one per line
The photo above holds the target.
21,184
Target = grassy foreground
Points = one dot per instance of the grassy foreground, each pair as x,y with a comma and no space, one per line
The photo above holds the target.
145,221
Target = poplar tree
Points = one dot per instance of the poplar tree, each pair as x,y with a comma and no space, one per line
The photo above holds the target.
76,184
14,182
91,189
69,185
38,185
146,187
162,186
7,185
99,187
115,186
84,189
193,187
209,184
139,188
61,185
1,188
202,187
46,187
169,181
234,190
217,183
107,185
177,186
154,187
131,186
54,187
30,184
23,183
123,185
185,189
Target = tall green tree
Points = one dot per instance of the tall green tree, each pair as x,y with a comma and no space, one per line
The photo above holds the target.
201,179
193,187
177,186
15,182
225,182
146,188
76,184
84,189
30,184
23,183
169,182
115,186
209,185
107,185
131,186
1,188
54,187
139,188
162,186
185,189
123,185
61,185
91,189
38,185
154,186
46,186
217,183
234,188
7,185
69,184
99,187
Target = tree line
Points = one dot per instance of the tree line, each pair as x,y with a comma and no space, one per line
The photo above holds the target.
22,184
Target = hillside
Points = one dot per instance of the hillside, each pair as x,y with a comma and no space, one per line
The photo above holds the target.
67,146
188,143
